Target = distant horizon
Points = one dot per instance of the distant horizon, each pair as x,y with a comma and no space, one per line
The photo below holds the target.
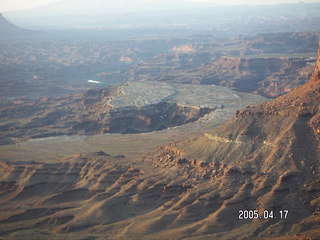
14,5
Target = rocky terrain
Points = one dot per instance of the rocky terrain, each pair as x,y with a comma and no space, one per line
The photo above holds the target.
271,77
96,164
266,158
129,108
60,63
53,67
265,64
295,42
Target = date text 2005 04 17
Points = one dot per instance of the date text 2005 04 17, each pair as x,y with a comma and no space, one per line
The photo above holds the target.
266,214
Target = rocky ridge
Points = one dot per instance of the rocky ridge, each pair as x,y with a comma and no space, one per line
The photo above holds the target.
266,158
129,108
90,113
269,76
316,74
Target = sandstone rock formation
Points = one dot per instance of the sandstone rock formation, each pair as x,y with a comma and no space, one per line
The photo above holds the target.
129,108
316,74
268,76
265,159
88,114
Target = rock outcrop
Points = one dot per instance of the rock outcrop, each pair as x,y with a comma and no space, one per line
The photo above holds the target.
90,113
128,108
269,76
255,177
316,74
265,158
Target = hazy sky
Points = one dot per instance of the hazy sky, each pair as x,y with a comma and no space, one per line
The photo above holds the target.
8,5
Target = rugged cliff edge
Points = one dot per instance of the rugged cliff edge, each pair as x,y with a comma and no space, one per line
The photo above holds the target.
128,108
316,74
265,159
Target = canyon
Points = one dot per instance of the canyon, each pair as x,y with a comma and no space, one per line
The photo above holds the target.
129,108
151,134
192,189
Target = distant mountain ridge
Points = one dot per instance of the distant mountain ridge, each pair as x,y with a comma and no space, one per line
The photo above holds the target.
6,26
125,13
8,29
86,7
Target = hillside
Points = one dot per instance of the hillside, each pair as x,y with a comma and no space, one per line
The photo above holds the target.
8,29
266,158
